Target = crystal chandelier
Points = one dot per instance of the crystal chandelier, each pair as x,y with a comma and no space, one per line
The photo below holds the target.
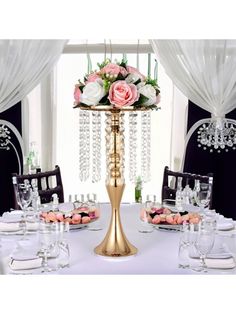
4,137
217,134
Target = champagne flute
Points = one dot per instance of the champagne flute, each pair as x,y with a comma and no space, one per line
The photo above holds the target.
94,212
204,243
24,198
48,240
203,196
144,226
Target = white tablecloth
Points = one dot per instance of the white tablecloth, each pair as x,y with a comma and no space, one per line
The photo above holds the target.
157,251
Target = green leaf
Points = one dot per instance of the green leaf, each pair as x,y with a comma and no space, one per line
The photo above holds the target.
123,63
81,87
119,77
142,99
151,82
104,101
84,105
106,85
137,82
103,64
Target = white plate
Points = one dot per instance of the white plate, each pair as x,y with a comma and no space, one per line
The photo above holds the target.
167,227
80,226
224,226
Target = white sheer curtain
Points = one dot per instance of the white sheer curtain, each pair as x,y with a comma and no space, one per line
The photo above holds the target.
23,64
204,70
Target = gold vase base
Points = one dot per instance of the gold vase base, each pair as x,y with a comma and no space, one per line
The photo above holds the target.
101,250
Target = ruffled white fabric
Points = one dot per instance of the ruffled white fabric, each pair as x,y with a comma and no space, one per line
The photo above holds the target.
204,70
24,63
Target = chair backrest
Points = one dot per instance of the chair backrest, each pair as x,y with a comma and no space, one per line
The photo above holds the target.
48,183
170,180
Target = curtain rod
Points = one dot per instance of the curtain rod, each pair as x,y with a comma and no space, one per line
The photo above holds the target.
99,48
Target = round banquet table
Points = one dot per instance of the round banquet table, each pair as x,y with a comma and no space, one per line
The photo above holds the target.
157,251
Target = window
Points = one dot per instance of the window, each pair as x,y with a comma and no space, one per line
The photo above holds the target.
72,67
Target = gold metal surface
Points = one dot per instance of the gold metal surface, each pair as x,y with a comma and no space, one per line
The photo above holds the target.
110,108
115,243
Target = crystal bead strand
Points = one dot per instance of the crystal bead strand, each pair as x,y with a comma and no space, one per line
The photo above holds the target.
148,163
143,146
87,144
108,141
81,146
122,145
132,146
146,145
96,146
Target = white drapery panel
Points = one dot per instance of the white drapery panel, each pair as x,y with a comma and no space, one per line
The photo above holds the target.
204,70
23,64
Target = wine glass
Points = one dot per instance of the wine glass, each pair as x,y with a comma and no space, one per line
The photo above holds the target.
144,226
204,242
48,233
94,212
24,198
203,195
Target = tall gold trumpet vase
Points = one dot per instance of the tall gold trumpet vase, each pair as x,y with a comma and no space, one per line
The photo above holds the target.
115,243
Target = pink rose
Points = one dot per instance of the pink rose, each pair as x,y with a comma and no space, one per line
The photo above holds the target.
111,69
158,99
114,70
77,93
133,70
123,71
92,78
123,94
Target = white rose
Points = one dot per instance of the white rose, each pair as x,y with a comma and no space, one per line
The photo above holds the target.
92,93
132,78
149,92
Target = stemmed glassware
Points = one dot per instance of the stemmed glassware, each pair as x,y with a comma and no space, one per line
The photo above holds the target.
48,233
24,198
144,226
94,209
203,195
204,241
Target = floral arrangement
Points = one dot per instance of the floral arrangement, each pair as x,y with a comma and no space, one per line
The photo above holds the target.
117,85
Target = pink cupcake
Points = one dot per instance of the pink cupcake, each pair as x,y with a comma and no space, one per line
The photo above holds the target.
156,220
76,219
85,220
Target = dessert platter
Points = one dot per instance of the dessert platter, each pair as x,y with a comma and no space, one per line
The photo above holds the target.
77,218
164,218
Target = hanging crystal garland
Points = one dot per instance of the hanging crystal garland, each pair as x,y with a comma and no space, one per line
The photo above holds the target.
108,140
132,146
87,143
96,146
122,143
84,144
145,145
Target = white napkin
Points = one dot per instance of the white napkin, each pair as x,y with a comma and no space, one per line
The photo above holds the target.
11,222
220,263
25,262
9,226
220,258
24,256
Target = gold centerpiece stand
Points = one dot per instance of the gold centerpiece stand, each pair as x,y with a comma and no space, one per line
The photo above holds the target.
115,243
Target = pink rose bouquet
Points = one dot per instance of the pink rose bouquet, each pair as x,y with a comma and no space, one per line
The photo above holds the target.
117,85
